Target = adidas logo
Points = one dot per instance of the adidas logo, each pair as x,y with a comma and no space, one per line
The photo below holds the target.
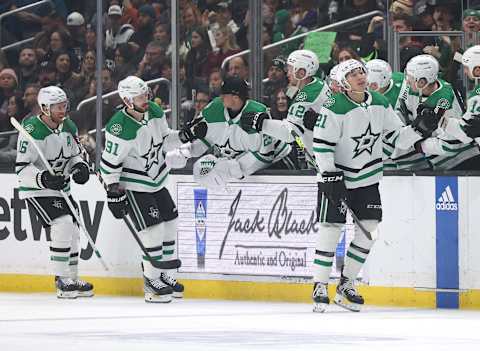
446,202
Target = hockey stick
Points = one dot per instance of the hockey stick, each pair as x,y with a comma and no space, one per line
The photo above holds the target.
342,201
23,132
172,264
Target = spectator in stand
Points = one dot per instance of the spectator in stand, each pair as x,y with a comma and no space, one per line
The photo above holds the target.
77,28
222,16
196,60
191,19
130,11
30,102
68,80
402,7
60,42
353,8
151,65
90,39
42,39
471,25
117,33
85,118
444,46
47,75
277,79
27,69
8,84
146,25
238,67
344,53
215,82
202,98
225,42
409,46
15,107
124,62
162,35
279,108
87,70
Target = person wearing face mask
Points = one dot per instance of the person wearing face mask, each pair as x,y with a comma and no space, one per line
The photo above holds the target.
54,134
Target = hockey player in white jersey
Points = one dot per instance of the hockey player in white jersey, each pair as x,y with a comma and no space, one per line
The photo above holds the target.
347,146
435,102
392,85
55,135
467,129
307,92
134,170
236,153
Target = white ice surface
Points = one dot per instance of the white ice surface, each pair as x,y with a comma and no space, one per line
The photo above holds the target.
40,322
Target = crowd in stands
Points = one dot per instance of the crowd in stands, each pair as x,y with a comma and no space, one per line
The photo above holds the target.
137,41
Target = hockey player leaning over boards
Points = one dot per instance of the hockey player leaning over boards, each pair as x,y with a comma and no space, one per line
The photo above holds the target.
431,102
392,85
467,129
347,146
237,153
54,134
307,93
134,170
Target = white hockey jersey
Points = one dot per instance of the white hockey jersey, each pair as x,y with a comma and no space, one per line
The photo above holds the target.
133,154
59,147
253,151
348,137
311,96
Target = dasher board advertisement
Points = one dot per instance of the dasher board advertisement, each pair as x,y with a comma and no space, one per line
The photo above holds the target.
256,228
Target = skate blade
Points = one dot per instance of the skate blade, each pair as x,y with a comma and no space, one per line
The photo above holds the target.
344,303
66,294
85,293
177,295
319,307
152,298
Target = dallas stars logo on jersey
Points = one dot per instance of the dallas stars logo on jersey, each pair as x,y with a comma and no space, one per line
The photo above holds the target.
151,156
365,142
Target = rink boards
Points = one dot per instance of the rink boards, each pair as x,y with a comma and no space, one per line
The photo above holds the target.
256,241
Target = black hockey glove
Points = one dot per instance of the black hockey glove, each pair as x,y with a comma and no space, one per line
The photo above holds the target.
253,121
47,181
332,185
472,126
117,201
195,129
80,173
427,121
309,119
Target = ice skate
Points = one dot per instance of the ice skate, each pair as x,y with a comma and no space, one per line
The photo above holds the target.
320,297
84,289
172,282
347,296
157,291
66,288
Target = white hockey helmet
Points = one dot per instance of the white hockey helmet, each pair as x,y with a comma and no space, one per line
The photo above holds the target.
131,87
305,59
49,96
379,72
347,67
423,67
471,59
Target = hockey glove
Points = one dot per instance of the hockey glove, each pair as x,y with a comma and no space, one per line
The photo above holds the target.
80,172
177,158
332,185
472,127
253,121
426,122
47,181
309,119
117,201
195,129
